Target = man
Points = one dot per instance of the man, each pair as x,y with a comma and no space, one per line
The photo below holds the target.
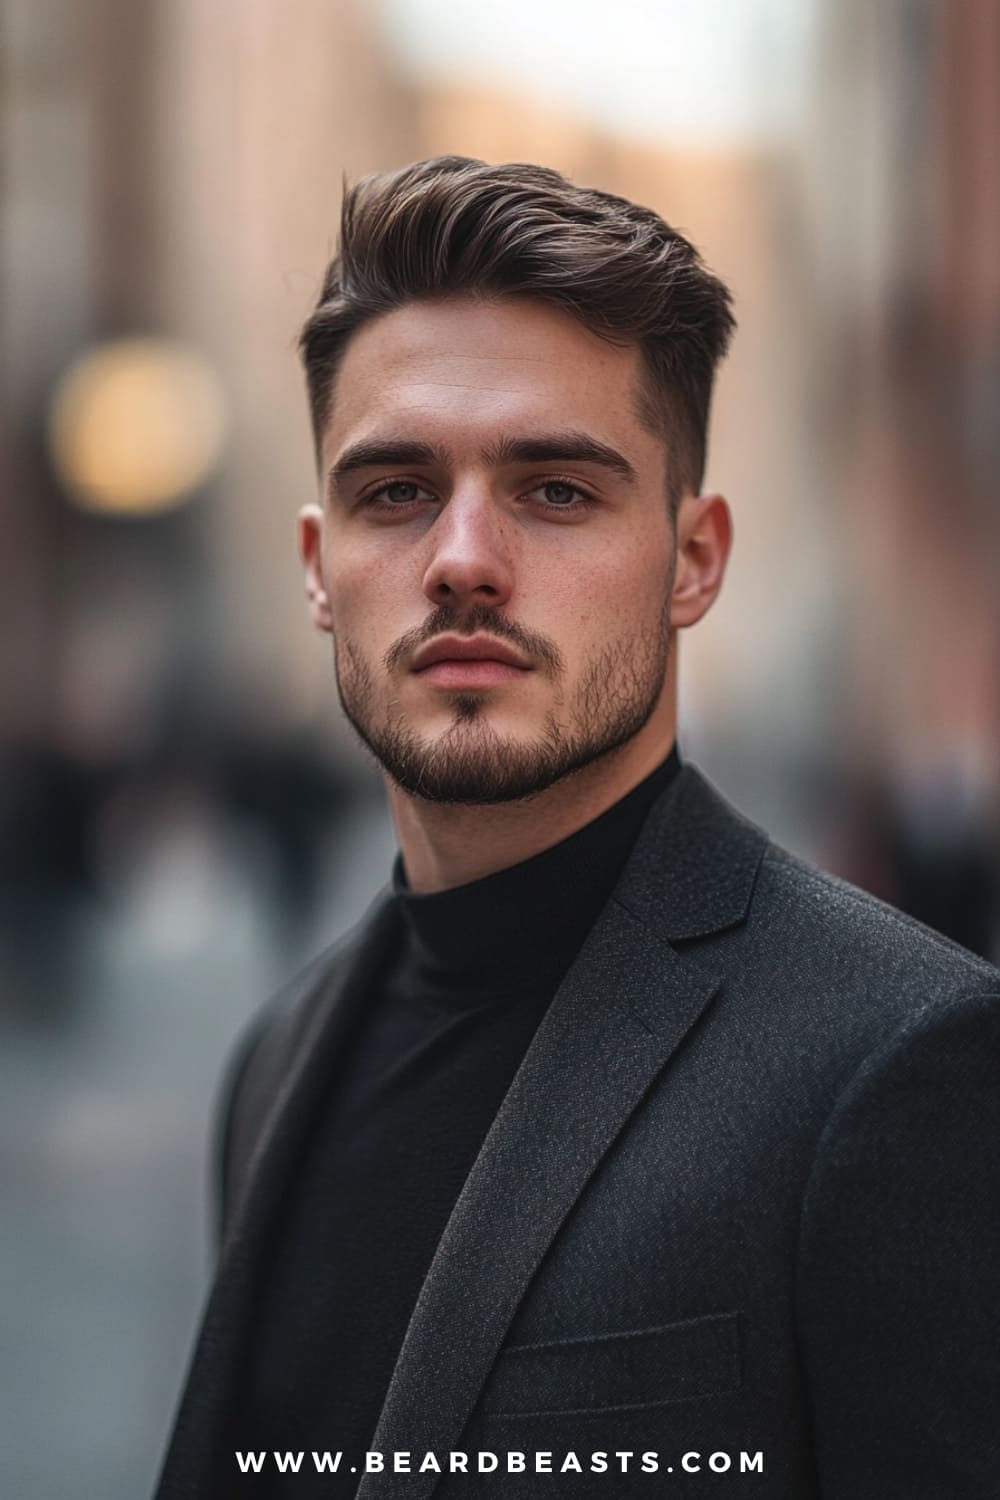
616,1150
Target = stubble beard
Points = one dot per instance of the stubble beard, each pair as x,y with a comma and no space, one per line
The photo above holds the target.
470,763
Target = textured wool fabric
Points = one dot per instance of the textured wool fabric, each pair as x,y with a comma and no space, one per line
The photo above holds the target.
741,1197
442,1031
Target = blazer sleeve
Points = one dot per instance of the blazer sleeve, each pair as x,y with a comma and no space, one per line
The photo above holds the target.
898,1276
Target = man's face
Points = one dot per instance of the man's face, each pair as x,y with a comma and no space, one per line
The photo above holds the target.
491,488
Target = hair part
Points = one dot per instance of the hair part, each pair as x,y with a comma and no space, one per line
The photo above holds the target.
452,226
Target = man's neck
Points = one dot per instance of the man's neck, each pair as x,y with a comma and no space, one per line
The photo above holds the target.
445,845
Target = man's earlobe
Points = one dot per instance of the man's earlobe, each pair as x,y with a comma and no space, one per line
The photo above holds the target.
319,609
310,534
704,540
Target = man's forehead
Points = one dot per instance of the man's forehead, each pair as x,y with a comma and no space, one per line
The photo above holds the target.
485,367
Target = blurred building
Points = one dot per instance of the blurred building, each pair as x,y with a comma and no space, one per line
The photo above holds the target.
899,172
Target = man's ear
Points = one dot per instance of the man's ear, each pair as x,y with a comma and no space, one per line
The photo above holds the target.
310,530
704,530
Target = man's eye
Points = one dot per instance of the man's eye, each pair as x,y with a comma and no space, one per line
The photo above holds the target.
559,494
396,493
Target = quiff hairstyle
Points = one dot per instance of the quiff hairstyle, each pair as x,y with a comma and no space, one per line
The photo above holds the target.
452,226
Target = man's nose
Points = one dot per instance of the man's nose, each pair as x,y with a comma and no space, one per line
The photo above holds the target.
470,560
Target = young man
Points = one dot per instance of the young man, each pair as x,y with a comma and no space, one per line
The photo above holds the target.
616,1149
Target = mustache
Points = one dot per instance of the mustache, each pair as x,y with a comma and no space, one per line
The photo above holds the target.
444,621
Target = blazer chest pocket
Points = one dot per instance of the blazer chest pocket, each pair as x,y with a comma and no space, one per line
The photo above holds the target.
640,1367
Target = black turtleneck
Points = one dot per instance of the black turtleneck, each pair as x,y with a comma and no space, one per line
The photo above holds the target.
450,1017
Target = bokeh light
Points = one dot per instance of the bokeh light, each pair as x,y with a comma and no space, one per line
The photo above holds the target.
136,426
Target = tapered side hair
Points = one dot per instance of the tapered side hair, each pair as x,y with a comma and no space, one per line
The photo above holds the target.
452,226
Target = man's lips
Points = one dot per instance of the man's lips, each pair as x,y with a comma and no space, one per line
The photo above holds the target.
453,648
466,662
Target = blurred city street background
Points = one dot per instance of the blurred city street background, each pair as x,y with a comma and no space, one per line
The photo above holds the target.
185,818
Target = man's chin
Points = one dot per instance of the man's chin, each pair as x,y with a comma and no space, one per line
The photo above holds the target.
481,769
471,762
467,787
514,773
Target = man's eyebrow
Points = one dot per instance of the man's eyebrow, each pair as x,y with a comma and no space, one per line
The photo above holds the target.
540,448
559,447
384,453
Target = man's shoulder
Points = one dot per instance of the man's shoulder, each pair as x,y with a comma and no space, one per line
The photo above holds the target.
708,870
825,959
277,1030
263,1054
840,922
822,979
278,1027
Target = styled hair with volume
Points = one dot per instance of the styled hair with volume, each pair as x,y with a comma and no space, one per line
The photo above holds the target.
452,226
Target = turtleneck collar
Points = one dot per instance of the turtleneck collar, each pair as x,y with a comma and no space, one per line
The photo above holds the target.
519,929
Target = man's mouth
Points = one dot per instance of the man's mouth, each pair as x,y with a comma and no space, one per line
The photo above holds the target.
476,661
469,648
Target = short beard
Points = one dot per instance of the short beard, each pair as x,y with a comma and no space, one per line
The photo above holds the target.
471,764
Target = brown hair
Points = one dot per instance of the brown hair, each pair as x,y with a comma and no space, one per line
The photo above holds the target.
450,226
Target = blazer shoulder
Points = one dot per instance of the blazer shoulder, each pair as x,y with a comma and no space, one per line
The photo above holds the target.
841,924
261,1057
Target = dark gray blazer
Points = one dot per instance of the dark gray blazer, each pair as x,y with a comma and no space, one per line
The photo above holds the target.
741,1197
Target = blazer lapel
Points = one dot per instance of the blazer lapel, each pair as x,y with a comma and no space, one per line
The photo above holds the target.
346,973
621,1012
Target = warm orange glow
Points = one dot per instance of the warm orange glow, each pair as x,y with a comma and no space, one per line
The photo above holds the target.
136,426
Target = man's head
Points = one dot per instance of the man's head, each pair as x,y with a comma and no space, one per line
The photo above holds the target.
509,379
